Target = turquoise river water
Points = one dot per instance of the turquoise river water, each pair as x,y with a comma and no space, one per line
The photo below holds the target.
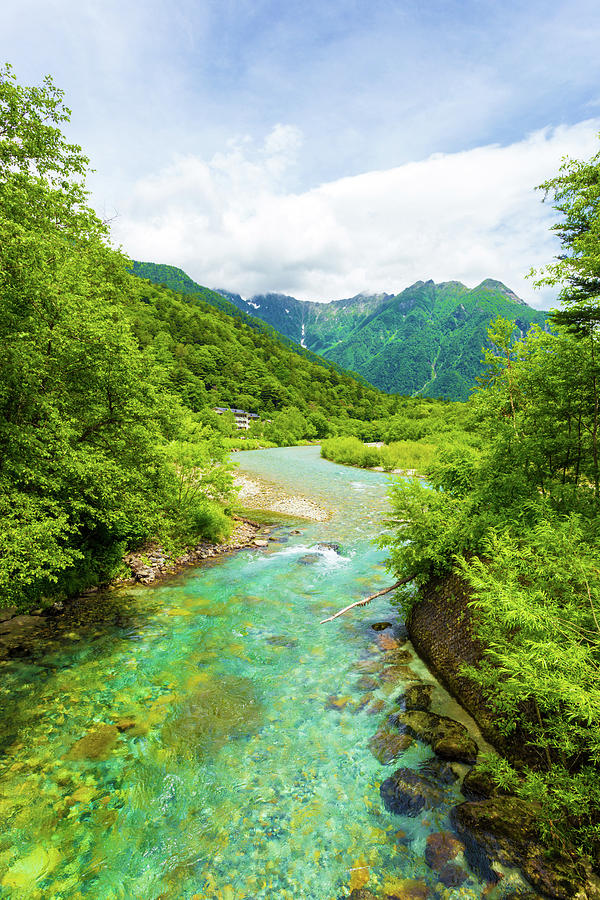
212,739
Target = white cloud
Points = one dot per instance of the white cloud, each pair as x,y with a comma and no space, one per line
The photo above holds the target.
229,222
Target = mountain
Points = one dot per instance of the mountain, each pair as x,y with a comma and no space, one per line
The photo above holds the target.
425,340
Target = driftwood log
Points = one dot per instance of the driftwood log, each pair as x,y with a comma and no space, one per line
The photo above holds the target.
368,599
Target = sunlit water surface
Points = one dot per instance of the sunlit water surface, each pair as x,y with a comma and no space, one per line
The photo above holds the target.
241,767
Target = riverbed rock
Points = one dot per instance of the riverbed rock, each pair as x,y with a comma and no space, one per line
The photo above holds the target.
96,744
337,702
478,785
386,641
24,874
219,710
20,624
309,559
381,626
328,545
281,640
405,889
366,683
9,612
369,666
506,829
418,697
258,542
363,702
438,770
452,876
386,746
447,738
362,894
407,793
441,848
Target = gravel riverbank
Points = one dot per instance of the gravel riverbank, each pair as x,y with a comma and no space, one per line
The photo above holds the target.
255,493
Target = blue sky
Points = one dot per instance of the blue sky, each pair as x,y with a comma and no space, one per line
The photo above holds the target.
239,139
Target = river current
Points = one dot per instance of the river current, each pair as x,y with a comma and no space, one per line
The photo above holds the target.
214,741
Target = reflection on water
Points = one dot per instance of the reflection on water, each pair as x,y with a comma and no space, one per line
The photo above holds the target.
216,742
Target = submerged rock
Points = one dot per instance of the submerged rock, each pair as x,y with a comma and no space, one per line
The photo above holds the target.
362,894
452,876
218,710
407,793
368,665
364,701
26,871
96,744
386,746
438,770
366,683
418,697
405,889
441,848
309,559
447,738
381,626
387,642
281,640
376,707
337,702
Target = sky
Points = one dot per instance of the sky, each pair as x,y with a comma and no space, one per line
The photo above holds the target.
322,149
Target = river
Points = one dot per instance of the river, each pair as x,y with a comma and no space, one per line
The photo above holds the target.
213,740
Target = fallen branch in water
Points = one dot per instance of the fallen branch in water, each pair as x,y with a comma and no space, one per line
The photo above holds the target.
368,599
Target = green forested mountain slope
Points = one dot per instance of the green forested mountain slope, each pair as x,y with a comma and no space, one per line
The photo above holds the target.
429,338
426,340
234,306
216,359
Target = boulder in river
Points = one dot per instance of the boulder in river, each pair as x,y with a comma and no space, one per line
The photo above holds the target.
407,793
478,785
447,738
329,545
417,697
438,770
381,626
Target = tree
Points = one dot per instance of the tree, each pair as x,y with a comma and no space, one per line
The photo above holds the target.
82,408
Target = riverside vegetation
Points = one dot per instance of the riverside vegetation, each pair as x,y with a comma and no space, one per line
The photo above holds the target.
517,519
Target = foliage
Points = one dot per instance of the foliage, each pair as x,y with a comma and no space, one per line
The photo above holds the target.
350,451
406,455
518,520
86,412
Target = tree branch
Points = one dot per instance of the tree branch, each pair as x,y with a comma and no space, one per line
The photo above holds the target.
368,599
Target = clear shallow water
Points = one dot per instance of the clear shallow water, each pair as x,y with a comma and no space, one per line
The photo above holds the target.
239,766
